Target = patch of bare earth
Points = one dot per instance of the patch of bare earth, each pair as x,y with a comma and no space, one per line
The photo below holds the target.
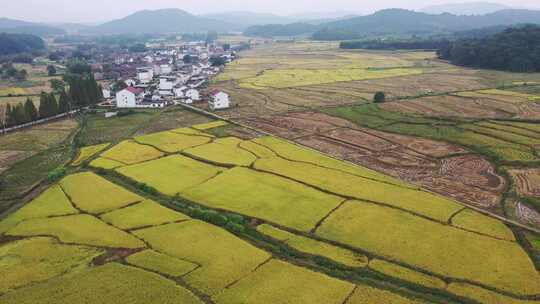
527,215
527,181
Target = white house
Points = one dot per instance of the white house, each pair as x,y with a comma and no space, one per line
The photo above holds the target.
106,93
219,100
180,91
166,83
129,97
193,95
145,75
130,82
165,69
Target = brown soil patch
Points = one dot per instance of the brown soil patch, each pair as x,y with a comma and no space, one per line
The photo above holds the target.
527,215
527,181
361,139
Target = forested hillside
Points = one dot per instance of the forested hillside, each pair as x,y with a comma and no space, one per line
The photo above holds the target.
515,49
19,43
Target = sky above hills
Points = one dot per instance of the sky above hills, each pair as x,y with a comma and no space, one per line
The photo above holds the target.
96,11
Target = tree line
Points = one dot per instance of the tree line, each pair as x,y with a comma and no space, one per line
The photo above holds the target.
75,92
412,44
516,49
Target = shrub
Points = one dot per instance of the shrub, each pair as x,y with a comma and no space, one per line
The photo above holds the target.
379,97
235,218
56,174
235,227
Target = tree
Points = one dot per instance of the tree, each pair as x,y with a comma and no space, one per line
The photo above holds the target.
187,58
211,37
379,97
64,104
48,106
78,67
30,110
120,85
57,85
21,75
51,70
7,119
226,47
217,61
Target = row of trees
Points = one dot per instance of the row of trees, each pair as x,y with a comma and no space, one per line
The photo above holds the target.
78,89
8,71
516,49
27,111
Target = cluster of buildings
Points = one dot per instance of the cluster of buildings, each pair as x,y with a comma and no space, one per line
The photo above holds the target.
174,75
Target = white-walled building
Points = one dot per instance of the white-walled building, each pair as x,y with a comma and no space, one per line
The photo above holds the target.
106,93
165,69
192,94
219,100
166,83
130,82
129,97
145,75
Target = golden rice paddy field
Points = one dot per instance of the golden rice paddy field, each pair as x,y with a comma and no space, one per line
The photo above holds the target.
314,205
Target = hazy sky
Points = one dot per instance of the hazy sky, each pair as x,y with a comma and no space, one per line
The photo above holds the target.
85,11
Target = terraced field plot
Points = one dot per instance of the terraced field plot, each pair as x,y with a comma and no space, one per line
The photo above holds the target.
172,142
306,191
129,153
87,152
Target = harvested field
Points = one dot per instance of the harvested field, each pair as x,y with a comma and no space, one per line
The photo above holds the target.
406,274
223,258
33,260
162,263
310,246
111,283
172,142
129,152
271,283
88,152
101,197
172,174
39,137
79,229
145,214
527,181
432,246
210,125
265,196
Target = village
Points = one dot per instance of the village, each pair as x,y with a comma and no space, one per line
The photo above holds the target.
164,76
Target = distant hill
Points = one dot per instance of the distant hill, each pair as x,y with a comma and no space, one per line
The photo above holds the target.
22,27
405,22
19,43
470,8
245,19
276,30
160,21
71,28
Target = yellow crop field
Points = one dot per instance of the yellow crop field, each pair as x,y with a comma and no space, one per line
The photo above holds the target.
257,149
281,283
368,295
310,246
129,152
37,259
510,137
191,131
341,183
172,142
210,125
471,220
147,213
162,263
111,283
286,78
105,163
78,229
293,152
483,296
52,202
513,154
265,196
223,257
13,91
87,152
509,93
508,128
223,151
95,194
172,174
406,274
432,246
